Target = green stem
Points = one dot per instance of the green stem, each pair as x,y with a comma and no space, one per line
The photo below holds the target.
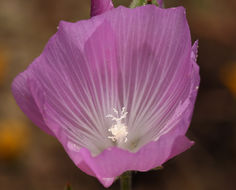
126,181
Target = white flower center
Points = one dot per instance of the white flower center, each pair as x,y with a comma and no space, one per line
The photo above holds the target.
118,129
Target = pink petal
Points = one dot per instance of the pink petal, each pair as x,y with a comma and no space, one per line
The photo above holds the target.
155,63
74,92
23,97
113,162
100,6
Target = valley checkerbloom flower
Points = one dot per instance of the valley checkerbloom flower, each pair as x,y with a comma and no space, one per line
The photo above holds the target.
117,90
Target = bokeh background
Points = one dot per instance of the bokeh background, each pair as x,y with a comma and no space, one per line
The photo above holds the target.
32,160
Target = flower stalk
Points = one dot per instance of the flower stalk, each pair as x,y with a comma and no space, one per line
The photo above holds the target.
126,181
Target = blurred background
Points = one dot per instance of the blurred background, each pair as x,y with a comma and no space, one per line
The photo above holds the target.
32,160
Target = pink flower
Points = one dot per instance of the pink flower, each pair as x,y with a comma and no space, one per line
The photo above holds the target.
117,90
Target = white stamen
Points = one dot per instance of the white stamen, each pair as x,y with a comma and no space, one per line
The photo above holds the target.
118,129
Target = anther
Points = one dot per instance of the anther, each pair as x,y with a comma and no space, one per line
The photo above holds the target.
118,129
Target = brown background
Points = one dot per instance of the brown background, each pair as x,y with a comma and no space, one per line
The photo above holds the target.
32,160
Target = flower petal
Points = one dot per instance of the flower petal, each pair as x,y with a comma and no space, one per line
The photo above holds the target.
100,6
113,162
23,97
154,48
20,86
78,88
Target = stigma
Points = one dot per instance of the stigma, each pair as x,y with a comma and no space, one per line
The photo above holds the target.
118,129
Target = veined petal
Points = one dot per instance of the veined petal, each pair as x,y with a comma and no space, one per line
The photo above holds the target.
154,58
20,86
113,162
100,6
23,97
78,88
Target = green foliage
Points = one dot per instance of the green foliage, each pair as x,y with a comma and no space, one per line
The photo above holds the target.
137,3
